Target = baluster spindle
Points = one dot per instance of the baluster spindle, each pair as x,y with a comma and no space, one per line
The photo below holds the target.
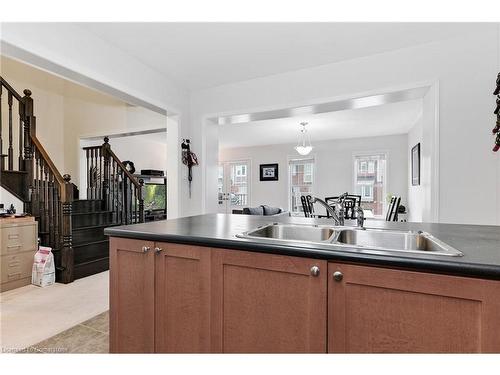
101,174
50,213
92,171
106,177
46,199
97,174
88,172
131,203
41,200
113,178
141,201
134,211
10,150
124,195
57,216
36,186
20,104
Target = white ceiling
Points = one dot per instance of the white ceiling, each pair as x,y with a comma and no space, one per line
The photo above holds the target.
388,119
202,55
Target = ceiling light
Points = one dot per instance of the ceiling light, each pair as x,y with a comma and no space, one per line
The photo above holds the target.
304,146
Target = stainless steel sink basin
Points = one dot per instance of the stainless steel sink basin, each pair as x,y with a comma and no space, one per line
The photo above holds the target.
376,241
290,232
392,240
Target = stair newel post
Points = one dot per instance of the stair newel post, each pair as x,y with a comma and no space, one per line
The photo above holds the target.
141,200
29,129
106,173
67,254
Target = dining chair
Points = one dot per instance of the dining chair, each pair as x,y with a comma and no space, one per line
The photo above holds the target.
308,207
392,210
351,201
305,206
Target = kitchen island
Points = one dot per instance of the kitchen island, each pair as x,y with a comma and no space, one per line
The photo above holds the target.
191,285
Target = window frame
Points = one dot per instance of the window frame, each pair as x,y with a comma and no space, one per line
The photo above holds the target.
290,160
226,164
385,186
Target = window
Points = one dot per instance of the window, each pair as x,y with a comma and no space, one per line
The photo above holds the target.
301,177
233,185
366,192
239,184
371,167
370,181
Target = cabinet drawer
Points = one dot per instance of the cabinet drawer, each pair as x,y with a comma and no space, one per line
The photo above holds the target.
16,266
18,238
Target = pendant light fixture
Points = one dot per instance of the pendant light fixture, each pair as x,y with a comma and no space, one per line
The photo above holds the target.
304,146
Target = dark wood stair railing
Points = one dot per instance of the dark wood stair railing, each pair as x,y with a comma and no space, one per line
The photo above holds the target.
109,179
13,98
51,198
46,194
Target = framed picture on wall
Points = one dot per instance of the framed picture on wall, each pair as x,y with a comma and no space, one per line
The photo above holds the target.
415,165
269,172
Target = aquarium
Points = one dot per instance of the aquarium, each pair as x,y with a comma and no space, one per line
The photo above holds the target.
155,197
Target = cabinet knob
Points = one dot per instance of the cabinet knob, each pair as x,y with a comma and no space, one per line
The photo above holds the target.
145,249
338,276
314,271
158,250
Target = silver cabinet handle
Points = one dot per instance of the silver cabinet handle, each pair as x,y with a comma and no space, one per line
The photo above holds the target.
158,250
338,276
145,249
315,271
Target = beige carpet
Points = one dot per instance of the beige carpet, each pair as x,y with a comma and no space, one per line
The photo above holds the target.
30,315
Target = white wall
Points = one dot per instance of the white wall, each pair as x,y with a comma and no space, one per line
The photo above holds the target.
333,166
465,67
7,199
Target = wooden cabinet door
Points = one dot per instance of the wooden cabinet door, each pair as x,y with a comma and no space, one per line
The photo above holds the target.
182,299
374,310
131,291
265,303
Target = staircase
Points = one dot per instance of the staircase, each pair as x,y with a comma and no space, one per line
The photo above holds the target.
73,228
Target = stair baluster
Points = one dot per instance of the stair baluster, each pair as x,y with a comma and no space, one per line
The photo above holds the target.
110,181
10,150
21,165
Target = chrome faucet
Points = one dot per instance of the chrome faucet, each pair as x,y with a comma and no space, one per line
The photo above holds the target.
339,219
360,217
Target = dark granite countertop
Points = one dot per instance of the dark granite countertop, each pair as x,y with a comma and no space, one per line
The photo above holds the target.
480,244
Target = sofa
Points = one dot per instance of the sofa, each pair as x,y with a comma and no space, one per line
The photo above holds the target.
262,210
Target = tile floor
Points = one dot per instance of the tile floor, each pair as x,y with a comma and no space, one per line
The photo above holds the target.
31,315
91,336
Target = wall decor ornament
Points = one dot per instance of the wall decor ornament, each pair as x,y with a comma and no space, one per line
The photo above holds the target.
269,172
189,159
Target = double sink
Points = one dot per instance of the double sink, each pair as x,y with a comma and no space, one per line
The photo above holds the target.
364,240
